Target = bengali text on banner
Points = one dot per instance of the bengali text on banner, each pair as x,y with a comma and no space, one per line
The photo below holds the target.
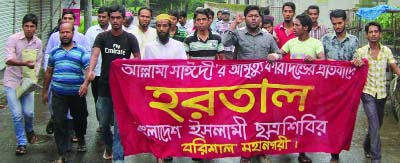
214,109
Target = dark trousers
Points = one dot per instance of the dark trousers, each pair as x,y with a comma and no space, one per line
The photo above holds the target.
374,108
94,86
78,109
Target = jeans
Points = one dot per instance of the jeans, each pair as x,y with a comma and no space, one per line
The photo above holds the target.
49,95
21,109
106,115
374,108
78,108
94,86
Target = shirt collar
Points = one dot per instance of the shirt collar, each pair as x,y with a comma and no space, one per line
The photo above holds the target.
75,45
22,36
248,33
345,37
198,38
98,28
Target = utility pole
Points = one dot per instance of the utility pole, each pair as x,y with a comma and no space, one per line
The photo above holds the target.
88,14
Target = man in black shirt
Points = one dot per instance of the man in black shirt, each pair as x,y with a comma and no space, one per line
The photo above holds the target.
113,44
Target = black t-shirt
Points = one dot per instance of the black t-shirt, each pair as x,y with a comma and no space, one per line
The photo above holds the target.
113,47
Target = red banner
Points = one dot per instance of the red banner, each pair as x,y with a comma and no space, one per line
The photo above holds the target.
214,109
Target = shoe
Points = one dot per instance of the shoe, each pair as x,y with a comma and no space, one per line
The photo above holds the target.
303,158
50,126
107,155
74,139
21,150
334,160
98,129
81,145
244,160
31,137
60,159
367,154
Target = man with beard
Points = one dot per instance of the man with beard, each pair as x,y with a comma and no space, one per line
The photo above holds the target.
223,26
175,32
251,42
68,86
164,48
284,31
318,30
113,44
143,32
339,46
91,33
374,94
203,44
128,25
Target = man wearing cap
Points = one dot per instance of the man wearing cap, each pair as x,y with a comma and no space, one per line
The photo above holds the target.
223,26
164,47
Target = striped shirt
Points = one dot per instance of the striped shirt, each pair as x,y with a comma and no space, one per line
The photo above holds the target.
376,80
180,34
197,48
318,32
68,66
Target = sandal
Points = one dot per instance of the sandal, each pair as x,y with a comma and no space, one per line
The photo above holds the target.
50,126
60,160
303,158
367,154
31,137
334,160
21,150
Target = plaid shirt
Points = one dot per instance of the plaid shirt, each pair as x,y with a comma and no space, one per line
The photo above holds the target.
318,32
376,81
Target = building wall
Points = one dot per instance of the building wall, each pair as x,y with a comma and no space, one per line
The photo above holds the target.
12,12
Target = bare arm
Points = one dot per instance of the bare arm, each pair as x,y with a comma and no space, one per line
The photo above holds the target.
93,61
46,82
395,68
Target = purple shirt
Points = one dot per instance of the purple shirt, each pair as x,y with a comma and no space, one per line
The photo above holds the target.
13,50
54,42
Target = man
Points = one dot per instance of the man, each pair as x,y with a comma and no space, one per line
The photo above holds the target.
65,71
203,44
211,21
251,42
164,47
284,31
128,25
103,19
318,30
339,46
219,15
53,42
22,109
374,93
175,32
302,47
113,44
188,26
223,26
144,33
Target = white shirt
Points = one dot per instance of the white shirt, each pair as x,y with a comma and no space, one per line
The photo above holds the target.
172,50
91,35
144,37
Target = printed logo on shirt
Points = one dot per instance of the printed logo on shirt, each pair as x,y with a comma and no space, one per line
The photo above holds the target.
116,50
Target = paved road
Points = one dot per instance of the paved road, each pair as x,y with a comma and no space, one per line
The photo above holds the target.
45,150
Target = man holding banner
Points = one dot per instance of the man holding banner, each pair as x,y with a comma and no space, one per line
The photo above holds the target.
113,44
374,93
164,47
339,46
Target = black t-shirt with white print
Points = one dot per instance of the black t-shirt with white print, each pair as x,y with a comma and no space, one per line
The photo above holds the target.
113,47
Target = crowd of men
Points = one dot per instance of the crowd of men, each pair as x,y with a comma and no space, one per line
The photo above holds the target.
72,61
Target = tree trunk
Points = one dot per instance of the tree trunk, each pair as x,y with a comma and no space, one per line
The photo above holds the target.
88,14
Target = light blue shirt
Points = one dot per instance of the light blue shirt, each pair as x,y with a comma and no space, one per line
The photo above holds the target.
54,42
